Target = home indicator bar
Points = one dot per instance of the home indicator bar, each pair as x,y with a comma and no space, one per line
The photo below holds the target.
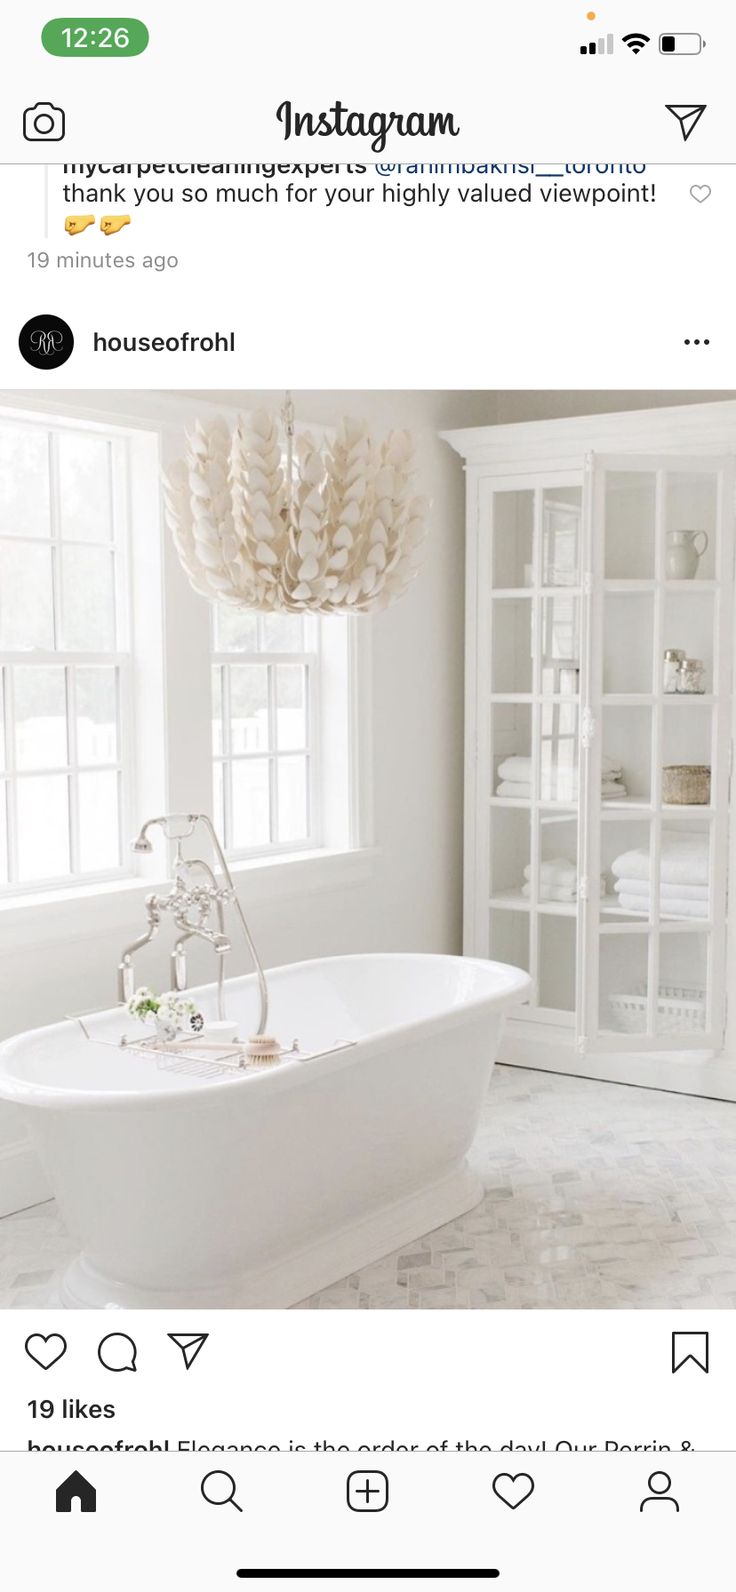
367,1575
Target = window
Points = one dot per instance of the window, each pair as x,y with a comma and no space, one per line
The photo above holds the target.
124,693
64,659
265,691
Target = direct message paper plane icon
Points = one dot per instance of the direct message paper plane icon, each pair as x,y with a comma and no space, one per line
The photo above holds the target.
688,116
190,1344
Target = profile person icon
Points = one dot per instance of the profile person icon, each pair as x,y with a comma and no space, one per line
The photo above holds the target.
659,1490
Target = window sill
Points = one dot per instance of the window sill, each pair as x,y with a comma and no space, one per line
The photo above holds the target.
88,911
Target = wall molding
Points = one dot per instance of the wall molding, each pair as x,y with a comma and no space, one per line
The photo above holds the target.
532,445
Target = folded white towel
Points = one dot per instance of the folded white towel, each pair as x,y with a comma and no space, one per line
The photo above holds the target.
559,789
507,788
519,768
559,892
683,860
680,892
673,907
558,786
611,788
555,870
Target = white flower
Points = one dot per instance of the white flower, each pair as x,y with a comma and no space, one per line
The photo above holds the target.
143,1004
173,1010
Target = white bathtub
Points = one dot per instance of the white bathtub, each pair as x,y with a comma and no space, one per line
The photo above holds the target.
259,1188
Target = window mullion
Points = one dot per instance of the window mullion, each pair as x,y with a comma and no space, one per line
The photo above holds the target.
73,757
125,737
227,762
11,785
118,483
55,538
314,756
273,762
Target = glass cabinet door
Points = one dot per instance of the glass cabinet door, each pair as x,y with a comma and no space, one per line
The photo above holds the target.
532,577
655,748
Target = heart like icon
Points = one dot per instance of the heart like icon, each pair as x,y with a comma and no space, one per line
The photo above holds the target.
45,1351
513,1490
700,192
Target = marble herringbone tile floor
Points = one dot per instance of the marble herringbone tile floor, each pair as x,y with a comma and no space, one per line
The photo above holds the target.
597,1197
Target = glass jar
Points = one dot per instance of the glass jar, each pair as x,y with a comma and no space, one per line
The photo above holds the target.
673,659
691,677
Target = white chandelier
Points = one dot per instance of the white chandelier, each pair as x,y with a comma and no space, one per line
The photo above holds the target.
265,519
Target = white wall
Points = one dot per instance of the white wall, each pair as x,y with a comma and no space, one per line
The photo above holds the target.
546,404
411,897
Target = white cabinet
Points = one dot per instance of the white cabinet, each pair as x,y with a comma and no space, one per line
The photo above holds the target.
596,834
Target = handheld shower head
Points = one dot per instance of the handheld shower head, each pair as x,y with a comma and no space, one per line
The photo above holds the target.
175,826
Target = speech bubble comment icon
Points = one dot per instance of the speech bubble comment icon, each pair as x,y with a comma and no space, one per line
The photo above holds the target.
117,1352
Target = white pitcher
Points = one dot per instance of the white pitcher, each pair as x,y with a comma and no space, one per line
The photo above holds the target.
683,555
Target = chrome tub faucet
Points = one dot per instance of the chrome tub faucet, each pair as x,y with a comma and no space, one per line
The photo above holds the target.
197,894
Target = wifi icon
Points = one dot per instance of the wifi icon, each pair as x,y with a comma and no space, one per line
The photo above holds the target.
636,41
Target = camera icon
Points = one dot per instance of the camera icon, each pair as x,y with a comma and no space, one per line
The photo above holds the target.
44,123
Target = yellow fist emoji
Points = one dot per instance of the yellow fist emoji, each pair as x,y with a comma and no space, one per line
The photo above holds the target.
110,224
75,224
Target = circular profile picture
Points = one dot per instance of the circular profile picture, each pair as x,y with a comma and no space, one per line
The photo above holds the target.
46,342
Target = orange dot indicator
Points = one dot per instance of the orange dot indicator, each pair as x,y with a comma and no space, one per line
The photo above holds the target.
590,15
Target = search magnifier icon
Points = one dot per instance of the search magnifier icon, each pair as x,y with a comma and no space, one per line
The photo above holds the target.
218,1487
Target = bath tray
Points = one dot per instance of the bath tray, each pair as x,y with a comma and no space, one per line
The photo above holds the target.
196,1058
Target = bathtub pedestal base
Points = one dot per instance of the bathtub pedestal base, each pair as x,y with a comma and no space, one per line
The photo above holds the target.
297,1276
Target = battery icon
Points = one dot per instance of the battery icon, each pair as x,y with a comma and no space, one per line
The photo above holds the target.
681,43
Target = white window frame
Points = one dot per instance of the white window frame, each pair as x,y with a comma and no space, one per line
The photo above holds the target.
169,723
310,660
120,659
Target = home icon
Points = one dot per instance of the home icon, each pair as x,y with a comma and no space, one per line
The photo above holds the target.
75,1487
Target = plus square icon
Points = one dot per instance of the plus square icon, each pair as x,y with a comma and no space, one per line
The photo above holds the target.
367,1490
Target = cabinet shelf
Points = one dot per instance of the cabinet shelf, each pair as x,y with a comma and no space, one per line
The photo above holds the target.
622,585
696,585
706,698
680,586
558,809
512,593
526,698
514,901
611,906
631,808
649,699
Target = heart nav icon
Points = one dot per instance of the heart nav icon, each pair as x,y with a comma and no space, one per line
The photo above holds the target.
45,1351
513,1490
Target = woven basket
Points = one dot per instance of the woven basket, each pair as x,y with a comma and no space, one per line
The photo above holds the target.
686,785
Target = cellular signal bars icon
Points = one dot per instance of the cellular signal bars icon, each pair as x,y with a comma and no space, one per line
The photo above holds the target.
598,46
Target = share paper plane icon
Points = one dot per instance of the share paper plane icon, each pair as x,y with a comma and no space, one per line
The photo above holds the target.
190,1344
688,116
